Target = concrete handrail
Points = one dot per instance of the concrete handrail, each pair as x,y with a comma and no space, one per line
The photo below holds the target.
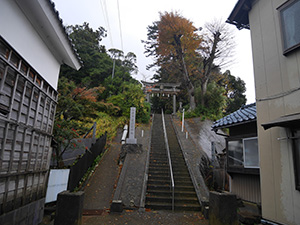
169,157
125,132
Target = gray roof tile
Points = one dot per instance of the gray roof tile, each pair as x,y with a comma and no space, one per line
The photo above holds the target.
246,113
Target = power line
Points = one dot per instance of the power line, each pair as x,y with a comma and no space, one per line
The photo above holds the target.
120,27
106,20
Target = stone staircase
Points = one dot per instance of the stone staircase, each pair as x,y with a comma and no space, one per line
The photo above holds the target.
159,193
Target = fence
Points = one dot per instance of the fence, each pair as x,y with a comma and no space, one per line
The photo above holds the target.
71,154
79,169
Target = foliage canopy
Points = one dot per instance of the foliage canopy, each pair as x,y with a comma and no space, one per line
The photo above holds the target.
103,90
194,57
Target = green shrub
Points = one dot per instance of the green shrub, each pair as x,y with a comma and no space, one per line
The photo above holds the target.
109,124
132,96
190,114
145,116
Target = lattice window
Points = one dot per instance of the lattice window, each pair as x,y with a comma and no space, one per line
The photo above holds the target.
27,109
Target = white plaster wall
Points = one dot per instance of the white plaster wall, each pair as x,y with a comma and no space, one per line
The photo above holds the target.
19,33
275,74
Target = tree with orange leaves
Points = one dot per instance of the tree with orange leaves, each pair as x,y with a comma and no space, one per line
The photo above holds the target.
173,41
183,54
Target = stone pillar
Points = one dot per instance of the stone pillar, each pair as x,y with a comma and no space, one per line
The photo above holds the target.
174,104
222,208
69,208
180,106
132,139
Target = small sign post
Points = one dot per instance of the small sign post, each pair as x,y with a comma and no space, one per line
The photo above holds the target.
182,125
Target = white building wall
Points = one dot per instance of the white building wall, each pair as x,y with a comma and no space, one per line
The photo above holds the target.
19,33
275,74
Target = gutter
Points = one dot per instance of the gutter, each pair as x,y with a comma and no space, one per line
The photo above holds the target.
224,135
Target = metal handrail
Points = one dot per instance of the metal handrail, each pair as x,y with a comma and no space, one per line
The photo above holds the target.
92,128
169,158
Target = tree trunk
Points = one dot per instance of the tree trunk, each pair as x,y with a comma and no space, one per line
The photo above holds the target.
191,89
208,66
203,91
190,86
58,156
192,99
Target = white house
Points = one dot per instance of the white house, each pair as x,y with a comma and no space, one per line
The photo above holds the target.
33,46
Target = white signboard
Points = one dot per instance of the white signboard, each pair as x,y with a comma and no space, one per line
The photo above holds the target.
58,182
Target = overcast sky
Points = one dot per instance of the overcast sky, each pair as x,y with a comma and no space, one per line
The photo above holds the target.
134,17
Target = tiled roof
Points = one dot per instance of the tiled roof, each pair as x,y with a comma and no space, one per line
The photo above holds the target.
64,30
245,114
239,15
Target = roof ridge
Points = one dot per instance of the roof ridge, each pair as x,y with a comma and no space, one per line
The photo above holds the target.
244,114
56,12
248,105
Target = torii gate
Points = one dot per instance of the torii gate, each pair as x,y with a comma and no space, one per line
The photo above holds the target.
162,88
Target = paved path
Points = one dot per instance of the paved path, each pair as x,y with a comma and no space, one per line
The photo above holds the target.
100,188
130,217
130,188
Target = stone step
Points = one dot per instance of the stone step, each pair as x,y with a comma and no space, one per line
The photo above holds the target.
159,159
176,171
176,163
158,163
177,207
164,181
159,195
177,200
167,172
158,148
167,176
154,166
181,173
167,187
158,155
168,193
159,174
